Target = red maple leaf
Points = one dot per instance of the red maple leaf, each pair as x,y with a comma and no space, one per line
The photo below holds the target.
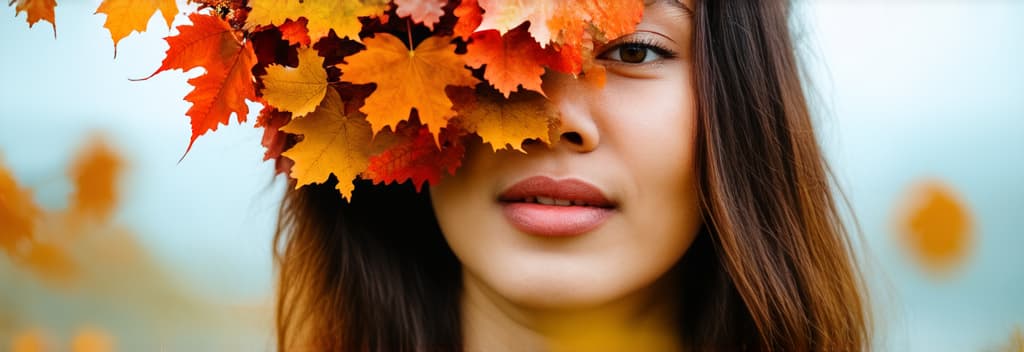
410,153
211,43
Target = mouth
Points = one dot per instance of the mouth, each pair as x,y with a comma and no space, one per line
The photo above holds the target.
546,207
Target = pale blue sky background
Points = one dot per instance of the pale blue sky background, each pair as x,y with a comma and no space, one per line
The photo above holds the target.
907,90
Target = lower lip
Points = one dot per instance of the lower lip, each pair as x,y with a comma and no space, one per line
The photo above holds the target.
555,220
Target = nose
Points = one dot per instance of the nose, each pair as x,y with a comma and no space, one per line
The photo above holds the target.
576,129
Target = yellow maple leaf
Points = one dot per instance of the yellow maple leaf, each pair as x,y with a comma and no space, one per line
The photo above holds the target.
125,16
332,143
322,15
36,10
407,79
506,123
18,212
297,89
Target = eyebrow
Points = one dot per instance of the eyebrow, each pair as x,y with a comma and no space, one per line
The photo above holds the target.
675,4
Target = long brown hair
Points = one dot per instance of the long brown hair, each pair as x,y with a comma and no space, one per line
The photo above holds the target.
771,270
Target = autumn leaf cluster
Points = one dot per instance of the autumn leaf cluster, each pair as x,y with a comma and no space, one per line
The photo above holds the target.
379,90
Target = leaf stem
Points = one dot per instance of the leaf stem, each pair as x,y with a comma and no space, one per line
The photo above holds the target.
408,33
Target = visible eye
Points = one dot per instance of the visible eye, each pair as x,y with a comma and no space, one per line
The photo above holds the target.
636,52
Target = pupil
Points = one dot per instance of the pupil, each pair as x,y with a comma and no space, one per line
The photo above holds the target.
633,53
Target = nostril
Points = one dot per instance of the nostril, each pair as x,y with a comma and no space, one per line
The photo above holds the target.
573,137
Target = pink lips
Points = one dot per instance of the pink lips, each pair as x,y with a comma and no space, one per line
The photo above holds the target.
579,206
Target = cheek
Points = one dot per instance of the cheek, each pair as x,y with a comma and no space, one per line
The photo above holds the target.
655,140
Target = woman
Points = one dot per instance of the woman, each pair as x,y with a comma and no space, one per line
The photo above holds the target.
685,205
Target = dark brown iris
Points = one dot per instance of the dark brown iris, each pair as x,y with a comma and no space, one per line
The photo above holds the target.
632,53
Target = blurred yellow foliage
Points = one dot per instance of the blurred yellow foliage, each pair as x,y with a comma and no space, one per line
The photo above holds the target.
936,227
95,176
96,270
29,341
42,240
18,212
1016,341
51,261
92,340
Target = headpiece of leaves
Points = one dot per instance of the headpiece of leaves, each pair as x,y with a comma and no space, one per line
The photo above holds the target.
374,89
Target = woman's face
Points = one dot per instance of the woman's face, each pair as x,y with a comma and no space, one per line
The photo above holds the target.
625,154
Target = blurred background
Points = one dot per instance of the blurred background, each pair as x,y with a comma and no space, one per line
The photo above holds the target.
920,107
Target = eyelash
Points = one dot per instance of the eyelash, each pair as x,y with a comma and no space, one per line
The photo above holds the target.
645,43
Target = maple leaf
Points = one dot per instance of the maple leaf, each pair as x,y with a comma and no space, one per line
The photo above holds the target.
208,42
221,92
410,153
505,123
427,12
298,90
211,43
407,79
125,16
273,139
18,212
322,15
608,19
602,21
504,15
36,10
469,17
577,24
332,143
295,32
95,176
512,59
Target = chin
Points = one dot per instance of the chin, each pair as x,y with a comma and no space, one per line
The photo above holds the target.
554,283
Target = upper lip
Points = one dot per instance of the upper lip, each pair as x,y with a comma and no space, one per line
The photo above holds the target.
574,190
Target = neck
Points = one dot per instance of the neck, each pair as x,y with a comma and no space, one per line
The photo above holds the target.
644,321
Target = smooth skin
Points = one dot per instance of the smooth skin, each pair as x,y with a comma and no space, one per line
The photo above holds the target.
609,289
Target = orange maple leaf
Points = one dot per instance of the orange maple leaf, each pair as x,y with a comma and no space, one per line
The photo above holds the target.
211,43
36,10
295,32
504,15
578,24
125,16
469,17
300,89
601,20
332,143
427,12
512,60
407,79
322,15
505,123
18,212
